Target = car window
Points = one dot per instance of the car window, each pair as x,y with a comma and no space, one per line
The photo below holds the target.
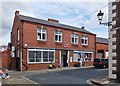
97,60
106,59
103,59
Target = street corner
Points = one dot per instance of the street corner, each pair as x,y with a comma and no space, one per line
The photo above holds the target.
100,81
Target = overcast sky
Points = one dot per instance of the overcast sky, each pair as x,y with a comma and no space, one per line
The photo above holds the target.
75,13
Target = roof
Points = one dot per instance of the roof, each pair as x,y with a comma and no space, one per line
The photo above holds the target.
101,40
41,21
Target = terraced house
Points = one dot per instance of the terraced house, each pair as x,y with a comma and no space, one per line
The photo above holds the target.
36,43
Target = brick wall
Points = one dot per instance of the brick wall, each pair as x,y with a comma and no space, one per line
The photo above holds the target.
100,46
118,40
5,59
118,55
30,38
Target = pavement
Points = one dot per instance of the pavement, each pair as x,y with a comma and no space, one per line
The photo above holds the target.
18,77
104,80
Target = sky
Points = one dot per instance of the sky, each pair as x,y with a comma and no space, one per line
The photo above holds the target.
77,13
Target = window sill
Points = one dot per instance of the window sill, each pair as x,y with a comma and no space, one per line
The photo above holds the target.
88,61
75,45
39,62
84,44
41,40
60,43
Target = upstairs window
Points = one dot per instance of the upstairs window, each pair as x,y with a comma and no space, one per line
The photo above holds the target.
18,33
58,36
84,40
41,34
74,38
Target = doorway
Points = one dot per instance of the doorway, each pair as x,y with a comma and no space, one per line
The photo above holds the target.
18,64
64,55
100,53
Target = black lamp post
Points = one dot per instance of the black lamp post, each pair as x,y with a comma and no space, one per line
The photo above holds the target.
100,16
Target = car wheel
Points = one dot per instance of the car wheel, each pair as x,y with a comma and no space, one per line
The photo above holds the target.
95,66
104,66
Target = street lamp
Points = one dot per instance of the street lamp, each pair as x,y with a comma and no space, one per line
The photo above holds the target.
100,16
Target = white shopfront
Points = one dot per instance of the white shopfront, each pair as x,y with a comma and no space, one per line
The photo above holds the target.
85,55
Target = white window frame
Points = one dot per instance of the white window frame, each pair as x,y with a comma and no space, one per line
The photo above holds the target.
42,50
18,33
74,36
83,52
41,31
18,52
58,34
84,38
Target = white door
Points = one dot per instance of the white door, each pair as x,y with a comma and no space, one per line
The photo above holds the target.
106,55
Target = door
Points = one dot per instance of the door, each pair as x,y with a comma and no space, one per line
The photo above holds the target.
18,64
100,53
65,61
64,58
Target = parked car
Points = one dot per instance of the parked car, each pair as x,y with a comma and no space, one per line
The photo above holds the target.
100,63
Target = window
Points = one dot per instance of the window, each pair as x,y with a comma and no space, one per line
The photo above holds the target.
40,55
75,57
45,56
18,34
41,34
74,38
85,55
84,40
58,36
18,52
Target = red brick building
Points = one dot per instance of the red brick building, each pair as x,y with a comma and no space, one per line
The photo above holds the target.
36,43
101,47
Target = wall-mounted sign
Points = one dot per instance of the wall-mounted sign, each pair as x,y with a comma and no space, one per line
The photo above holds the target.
66,45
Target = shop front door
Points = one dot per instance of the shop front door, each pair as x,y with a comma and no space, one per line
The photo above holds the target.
64,58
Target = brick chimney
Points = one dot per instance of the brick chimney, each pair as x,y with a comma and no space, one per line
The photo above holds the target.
16,12
53,20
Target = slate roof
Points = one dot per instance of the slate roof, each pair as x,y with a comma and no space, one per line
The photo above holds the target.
101,40
41,21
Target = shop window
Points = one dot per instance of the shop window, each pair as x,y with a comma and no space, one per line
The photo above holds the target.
45,56
75,57
86,56
40,56
51,56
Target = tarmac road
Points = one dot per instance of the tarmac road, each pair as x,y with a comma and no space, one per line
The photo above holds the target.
76,76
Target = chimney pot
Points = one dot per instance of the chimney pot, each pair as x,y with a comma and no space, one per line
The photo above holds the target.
53,20
83,27
16,12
